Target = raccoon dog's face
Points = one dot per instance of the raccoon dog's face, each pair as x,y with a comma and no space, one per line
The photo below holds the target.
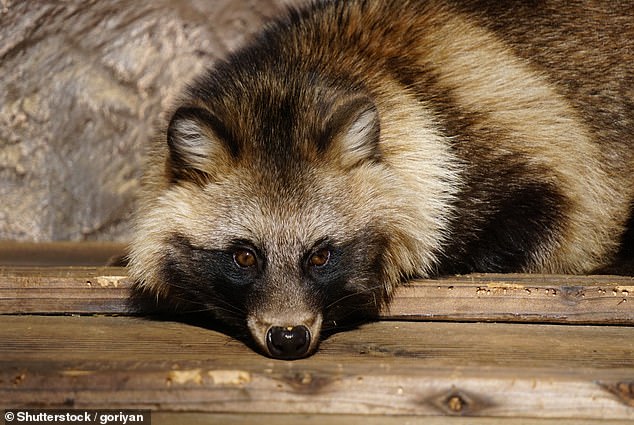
268,216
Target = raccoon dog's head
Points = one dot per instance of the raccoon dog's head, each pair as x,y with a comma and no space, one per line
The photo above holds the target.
268,218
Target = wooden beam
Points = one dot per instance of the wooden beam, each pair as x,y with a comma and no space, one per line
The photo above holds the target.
64,290
478,297
403,366
383,368
518,298
63,253
161,418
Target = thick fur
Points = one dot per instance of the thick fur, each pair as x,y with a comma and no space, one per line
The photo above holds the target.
406,139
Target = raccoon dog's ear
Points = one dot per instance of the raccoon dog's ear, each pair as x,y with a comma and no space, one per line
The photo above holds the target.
352,132
197,140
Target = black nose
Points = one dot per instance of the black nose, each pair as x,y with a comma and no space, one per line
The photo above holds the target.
288,342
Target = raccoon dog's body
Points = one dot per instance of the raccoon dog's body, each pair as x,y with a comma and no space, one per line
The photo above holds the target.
355,144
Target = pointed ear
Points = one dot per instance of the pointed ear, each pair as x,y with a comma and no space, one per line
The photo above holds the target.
352,132
197,141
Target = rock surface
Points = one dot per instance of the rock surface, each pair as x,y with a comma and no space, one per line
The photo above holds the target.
82,86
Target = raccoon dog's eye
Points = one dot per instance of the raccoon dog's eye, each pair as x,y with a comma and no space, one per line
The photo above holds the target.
319,258
244,258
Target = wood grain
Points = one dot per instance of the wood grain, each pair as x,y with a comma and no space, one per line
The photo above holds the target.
518,298
169,418
63,253
478,297
188,418
69,340
64,290
384,368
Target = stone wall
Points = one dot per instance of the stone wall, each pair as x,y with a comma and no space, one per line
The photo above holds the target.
82,85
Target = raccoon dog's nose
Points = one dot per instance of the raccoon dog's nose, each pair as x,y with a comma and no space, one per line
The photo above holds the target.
288,342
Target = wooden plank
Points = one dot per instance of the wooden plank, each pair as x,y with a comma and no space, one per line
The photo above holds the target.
384,368
164,418
63,253
477,297
64,290
518,298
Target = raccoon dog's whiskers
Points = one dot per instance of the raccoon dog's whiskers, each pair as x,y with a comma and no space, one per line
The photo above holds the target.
371,289
193,297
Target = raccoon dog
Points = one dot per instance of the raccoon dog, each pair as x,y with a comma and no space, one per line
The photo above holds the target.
353,145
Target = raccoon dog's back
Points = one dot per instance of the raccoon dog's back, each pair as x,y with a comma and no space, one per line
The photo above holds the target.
354,144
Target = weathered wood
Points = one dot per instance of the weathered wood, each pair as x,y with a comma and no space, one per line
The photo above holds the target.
487,297
64,290
60,253
393,368
518,298
163,418
430,369
406,366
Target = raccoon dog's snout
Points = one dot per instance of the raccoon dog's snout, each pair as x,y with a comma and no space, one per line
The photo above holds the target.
286,339
288,342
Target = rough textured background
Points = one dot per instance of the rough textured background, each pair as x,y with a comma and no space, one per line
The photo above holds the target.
82,85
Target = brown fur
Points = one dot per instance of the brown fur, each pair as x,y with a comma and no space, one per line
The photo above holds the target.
414,137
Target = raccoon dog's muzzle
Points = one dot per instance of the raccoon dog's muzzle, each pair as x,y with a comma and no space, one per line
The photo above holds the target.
286,338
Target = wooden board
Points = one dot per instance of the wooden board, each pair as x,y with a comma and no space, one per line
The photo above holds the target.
384,368
13,253
562,351
296,419
64,290
518,298
501,298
